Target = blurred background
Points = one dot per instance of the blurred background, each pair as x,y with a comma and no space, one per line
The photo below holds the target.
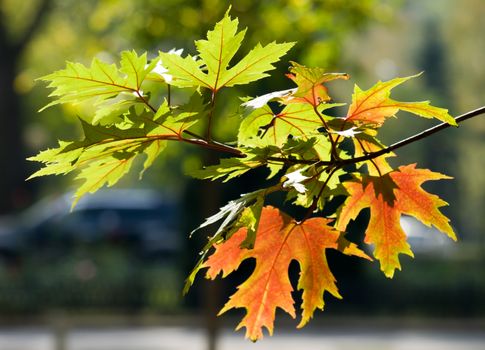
120,259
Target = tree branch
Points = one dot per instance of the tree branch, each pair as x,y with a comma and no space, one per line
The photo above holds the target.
213,145
399,144
416,137
221,147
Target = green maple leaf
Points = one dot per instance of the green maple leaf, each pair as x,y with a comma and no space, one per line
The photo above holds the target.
314,189
229,168
262,127
102,157
111,89
211,70
107,152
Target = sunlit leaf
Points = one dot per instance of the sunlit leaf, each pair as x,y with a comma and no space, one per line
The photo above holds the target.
110,88
279,240
211,68
107,152
388,199
263,127
310,83
373,106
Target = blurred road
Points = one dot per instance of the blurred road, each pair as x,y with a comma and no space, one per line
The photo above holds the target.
185,338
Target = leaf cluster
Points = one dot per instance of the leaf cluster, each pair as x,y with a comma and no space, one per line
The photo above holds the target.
311,155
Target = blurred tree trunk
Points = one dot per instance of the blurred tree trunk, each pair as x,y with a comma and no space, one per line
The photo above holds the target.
211,192
14,192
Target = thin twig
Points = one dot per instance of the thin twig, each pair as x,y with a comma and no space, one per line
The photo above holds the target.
140,96
211,113
417,137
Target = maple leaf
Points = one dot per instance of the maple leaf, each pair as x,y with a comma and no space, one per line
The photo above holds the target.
229,168
211,70
279,240
262,127
103,156
112,89
389,197
107,152
371,107
310,84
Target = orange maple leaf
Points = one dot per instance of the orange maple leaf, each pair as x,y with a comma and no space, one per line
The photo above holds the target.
374,105
279,240
399,192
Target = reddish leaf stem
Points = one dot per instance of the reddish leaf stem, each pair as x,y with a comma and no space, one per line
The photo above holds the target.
213,145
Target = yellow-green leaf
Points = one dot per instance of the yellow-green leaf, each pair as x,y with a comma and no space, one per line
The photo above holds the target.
211,69
107,87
